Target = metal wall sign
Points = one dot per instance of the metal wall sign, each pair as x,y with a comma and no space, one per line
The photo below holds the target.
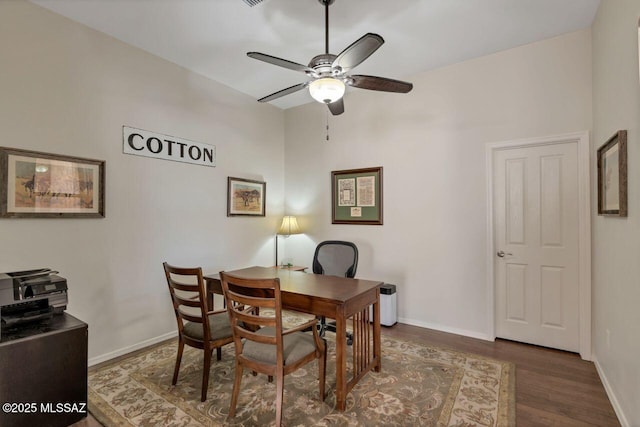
141,142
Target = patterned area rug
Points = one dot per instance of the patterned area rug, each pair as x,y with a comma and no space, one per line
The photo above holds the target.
418,385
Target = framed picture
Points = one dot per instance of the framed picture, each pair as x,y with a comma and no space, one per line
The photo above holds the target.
357,196
612,176
245,197
43,185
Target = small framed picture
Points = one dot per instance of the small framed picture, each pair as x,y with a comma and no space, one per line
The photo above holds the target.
43,185
245,197
612,176
357,196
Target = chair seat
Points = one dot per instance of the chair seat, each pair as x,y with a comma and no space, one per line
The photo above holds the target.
218,324
295,346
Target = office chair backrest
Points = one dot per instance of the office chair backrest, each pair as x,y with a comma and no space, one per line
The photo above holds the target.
336,258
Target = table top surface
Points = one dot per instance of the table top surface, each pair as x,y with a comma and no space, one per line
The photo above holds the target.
293,267
331,288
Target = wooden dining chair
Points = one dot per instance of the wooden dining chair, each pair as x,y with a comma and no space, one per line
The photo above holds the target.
261,343
197,326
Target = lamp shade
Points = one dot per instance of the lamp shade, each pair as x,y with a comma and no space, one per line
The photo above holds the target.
289,226
326,90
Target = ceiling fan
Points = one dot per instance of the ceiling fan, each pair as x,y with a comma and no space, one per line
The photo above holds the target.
329,72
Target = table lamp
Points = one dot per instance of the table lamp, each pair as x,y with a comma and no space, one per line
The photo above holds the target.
288,227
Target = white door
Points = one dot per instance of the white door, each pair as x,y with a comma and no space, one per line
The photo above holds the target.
536,237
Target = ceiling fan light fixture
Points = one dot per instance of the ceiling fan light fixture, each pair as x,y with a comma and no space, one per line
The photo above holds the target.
326,90
331,73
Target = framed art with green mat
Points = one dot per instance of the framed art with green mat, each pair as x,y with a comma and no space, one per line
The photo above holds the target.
357,196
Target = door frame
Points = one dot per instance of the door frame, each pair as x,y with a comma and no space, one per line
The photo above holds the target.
581,139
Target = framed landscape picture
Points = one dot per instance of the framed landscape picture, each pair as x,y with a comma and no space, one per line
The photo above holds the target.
612,176
245,197
43,185
357,196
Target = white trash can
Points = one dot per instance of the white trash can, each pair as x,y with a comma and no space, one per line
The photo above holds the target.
388,305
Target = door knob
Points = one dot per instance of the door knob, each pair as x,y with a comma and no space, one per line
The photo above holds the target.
501,254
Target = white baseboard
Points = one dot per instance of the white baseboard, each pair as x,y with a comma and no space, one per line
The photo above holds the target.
611,395
125,350
441,328
120,352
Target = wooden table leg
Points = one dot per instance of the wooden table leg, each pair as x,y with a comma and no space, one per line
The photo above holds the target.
341,361
377,345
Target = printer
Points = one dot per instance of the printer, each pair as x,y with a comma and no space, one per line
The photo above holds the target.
28,296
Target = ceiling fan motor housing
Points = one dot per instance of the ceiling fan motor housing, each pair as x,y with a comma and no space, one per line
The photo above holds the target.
322,65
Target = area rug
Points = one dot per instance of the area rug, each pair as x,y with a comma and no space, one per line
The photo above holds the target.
418,385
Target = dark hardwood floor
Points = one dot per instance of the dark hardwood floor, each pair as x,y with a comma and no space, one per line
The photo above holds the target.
553,387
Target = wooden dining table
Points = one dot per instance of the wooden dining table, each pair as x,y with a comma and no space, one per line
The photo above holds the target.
343,299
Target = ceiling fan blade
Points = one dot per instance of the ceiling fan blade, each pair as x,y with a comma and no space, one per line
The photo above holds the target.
379,83
337,107
253,2
284,92
358,51
281,62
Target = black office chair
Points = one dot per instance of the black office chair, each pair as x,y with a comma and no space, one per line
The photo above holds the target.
335,258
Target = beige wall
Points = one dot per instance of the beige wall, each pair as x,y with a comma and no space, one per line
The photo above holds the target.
67,89
616,241
431,143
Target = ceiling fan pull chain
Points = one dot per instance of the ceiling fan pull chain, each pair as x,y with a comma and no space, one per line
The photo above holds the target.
327,113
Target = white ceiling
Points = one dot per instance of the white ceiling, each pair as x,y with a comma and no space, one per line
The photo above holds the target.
211,37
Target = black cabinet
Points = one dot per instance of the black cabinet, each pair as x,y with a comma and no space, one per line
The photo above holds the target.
43,373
